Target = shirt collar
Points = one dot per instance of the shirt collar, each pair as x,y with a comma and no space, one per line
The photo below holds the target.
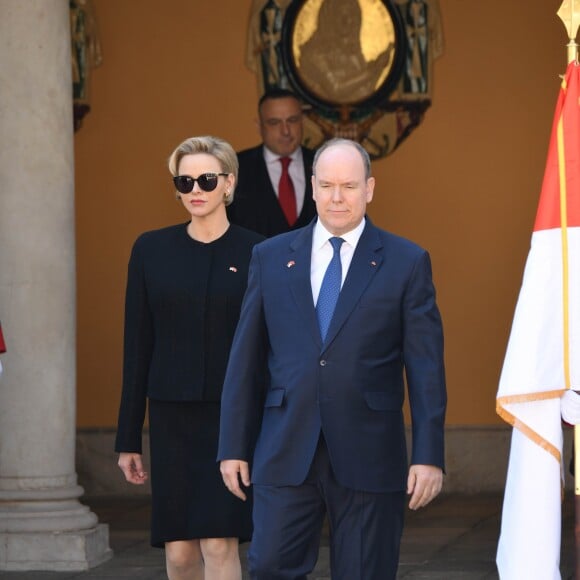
321,235
271,157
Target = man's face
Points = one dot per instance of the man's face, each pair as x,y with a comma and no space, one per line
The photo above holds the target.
340,189
281,125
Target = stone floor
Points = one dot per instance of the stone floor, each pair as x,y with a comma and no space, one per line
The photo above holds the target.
453,539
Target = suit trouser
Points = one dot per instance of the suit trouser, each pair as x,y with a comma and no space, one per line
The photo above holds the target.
365,528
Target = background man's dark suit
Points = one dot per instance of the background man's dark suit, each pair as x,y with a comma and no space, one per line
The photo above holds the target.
256,205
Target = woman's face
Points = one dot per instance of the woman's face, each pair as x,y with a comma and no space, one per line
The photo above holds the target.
199,203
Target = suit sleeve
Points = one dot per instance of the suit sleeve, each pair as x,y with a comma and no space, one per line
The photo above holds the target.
424,365
244,385
138,346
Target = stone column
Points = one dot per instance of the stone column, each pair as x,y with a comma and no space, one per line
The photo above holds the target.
43,526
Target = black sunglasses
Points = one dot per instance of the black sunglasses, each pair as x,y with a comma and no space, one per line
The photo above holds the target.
206,182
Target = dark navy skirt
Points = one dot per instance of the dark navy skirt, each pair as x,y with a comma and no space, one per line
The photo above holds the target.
189,498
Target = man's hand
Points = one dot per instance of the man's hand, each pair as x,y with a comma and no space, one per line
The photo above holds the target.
132,467
423,484
570,407
232,471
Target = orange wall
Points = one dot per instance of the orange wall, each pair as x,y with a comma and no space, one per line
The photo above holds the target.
465,184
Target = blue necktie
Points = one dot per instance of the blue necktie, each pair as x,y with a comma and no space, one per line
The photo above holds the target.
330,289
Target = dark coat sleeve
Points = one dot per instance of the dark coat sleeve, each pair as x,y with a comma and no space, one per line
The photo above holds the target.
244,385
423,358
138,346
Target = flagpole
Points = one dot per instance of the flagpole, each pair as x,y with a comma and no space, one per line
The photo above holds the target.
569,13
577,499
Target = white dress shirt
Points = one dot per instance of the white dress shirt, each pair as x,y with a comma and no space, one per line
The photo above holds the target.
322,253
295,170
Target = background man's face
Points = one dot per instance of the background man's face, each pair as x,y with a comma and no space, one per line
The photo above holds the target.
281,125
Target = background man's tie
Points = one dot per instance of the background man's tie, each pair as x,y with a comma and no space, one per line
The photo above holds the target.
286,193
330,288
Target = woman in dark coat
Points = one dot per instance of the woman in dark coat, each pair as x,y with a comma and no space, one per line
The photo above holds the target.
184,292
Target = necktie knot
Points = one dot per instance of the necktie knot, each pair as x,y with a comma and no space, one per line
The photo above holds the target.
336,243
285,161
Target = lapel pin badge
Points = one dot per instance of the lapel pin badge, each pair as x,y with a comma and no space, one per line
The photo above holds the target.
290,264
373,263
232,269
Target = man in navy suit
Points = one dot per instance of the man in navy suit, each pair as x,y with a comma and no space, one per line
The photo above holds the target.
331,434
258,205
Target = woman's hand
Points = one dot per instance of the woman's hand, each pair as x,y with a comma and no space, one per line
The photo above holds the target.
132,467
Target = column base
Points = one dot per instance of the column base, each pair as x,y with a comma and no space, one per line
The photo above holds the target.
71,551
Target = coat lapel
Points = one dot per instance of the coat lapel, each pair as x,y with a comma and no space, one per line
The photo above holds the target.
366,261
270,199
298,265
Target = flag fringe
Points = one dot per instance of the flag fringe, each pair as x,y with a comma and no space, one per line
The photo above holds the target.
526,429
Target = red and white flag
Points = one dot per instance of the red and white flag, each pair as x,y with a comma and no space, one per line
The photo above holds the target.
542,362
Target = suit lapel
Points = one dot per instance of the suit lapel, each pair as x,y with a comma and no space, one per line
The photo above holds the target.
298,266
308,207
366,261
267,188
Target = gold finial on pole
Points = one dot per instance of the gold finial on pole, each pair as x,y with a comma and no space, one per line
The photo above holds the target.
569,14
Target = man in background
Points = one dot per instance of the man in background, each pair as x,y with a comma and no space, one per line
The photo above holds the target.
274,193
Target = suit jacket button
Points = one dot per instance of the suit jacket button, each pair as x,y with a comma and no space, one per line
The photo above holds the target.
322,363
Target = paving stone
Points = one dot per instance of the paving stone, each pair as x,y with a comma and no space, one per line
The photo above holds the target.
453,539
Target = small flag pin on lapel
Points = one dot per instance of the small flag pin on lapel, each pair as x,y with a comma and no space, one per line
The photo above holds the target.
290,264
233,269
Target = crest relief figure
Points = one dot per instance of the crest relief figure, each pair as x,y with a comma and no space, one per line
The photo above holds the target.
264,49
364,68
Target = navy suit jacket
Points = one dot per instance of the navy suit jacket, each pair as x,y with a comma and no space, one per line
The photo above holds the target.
351,386
256,205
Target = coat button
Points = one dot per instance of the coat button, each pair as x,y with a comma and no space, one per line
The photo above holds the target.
322,363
